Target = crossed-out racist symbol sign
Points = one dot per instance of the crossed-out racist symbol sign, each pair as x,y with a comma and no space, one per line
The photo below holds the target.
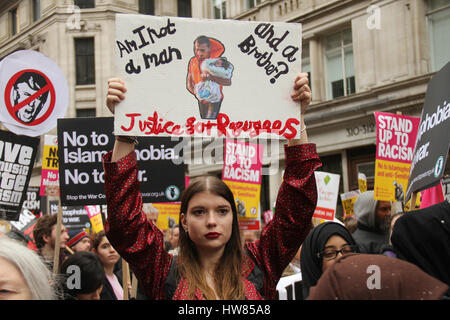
30,97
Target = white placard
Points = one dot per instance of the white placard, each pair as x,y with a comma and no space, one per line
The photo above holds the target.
327,194
167,95
34,93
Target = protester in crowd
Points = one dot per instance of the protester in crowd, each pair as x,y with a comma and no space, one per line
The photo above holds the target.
79,240
376,277
23,275
18,236
211,263
250,235
150,212
374,219
167,244
322,246
394,219
388,250
422,237
294,265
44,234
112,282
82,276
351,223
174,237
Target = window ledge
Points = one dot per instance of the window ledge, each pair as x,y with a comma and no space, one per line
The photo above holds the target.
85,86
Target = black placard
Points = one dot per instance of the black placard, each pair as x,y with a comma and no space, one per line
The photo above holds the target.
433,138
32,201
17,156
83,141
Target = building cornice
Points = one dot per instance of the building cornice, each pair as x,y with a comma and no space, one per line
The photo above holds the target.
32,34
384,98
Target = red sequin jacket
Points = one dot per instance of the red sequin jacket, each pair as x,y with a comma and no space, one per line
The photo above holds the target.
141,244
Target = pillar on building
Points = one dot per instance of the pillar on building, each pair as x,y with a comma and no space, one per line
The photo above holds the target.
316,70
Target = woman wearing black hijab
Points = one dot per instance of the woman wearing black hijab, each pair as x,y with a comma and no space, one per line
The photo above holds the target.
422,237
321,247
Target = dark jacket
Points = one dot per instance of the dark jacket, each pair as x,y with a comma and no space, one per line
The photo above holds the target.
108,291
422,237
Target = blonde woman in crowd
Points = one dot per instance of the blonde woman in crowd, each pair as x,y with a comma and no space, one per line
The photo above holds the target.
23,275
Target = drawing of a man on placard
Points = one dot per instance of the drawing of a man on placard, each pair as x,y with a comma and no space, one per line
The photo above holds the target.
27,85
208,71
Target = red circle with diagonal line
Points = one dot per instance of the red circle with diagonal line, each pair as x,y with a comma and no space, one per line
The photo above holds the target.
13,109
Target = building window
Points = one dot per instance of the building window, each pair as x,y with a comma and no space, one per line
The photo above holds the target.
361,160
84,4
13,19
147,6
86,113
219,9
438,13
252,3
184,8
339,64
36,10
85,62
306,64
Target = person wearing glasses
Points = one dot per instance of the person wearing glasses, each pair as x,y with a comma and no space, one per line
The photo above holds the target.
320,249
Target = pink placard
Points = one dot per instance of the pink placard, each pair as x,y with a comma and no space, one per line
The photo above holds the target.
396,136
92,211
49,179
243,162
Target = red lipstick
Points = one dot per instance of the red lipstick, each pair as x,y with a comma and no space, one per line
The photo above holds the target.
212,235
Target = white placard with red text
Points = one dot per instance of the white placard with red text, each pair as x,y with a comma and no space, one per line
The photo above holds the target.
153,56
327,194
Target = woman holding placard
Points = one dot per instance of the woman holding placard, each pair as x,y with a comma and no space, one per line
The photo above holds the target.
212,262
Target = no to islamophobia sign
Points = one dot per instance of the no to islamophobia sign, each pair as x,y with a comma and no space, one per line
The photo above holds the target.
82,143
433,138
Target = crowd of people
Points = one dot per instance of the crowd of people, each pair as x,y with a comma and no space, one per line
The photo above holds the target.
377,254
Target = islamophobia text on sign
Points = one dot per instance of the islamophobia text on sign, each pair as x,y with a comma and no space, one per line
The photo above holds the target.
433,138
82,143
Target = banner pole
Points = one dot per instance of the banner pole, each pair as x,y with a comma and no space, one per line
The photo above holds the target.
58,238
412,206
125,278
70,250
134,285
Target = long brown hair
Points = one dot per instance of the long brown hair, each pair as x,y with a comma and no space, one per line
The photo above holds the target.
97,238
228,275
